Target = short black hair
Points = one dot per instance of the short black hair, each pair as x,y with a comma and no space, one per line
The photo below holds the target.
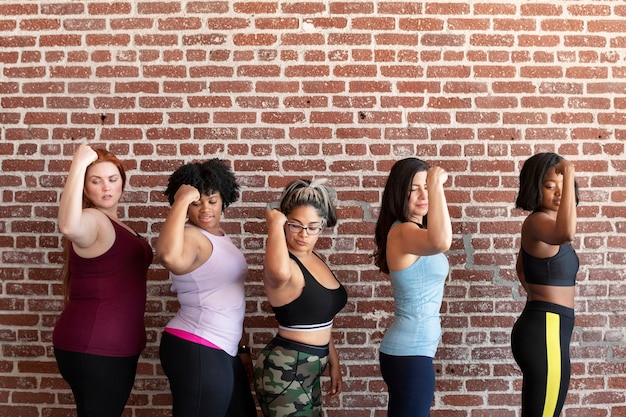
531,179
207,177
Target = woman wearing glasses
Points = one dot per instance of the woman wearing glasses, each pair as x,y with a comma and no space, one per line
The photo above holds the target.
305,297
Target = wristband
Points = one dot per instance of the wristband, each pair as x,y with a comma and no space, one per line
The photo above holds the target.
244,349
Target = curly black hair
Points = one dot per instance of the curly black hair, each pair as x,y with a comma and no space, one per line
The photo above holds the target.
208,178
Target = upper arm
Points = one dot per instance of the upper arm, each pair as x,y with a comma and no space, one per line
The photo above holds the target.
408,238
284,287
519,268
194,245
407,242
87,230
277,264
543,228
277,275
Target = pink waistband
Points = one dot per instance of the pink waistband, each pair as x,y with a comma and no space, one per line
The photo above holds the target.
191,337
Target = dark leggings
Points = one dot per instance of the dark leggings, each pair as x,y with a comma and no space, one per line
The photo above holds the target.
411,384
101,384
241,403
540,344
202,380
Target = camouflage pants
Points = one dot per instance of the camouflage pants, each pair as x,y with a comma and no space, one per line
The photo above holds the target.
287,379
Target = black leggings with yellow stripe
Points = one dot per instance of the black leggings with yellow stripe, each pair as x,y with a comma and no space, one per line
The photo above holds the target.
540,342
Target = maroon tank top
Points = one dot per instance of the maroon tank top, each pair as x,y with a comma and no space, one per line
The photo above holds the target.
105,311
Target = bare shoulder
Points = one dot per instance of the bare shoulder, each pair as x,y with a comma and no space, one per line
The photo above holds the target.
98,223
403,233
534,230
195,238
535,224
283,290
404,228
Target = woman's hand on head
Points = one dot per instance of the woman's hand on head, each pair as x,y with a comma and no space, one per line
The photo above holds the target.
85,154
187,194
436,176
564,167
275,216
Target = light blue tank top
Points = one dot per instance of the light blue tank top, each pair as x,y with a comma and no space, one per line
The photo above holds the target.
418,292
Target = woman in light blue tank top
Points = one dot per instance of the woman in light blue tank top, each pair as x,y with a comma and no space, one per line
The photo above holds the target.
411,252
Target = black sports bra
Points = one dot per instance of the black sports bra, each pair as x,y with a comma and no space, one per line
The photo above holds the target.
316,306
559,270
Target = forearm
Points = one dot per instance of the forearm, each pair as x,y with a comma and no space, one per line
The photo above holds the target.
439,225
333,356
566,217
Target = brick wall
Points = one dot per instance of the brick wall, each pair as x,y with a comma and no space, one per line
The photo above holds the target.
333,89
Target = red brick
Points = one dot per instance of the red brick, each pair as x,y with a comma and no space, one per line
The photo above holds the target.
340,90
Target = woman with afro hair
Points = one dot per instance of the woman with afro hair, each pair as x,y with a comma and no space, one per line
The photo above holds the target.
199,347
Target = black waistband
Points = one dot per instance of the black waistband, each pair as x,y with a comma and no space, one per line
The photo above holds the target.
300,347
550,308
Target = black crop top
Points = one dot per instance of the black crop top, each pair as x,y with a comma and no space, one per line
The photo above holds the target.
559,270
316,306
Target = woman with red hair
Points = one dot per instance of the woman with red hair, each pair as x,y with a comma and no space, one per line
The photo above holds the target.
100,333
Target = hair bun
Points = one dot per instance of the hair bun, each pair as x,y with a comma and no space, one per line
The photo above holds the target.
318,182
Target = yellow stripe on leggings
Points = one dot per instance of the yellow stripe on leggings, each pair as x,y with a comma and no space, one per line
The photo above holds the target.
553,347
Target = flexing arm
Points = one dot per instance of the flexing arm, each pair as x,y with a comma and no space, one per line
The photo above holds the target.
175,249
276,265
439,226
77,225
437,238
562,229
566,216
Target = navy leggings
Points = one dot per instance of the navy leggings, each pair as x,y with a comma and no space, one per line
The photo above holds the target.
203,380
411,384
540,344
101,384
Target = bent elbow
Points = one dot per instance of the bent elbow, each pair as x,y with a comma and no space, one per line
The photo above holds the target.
275,279
165,259
568,238
63,229
67,230
445,245
442,244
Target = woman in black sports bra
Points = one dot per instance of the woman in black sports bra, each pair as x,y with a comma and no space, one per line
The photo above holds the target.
546,266
305,296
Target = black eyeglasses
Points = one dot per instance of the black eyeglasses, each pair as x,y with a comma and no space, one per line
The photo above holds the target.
310,230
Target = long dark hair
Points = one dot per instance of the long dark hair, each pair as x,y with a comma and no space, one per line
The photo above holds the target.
531,179
394,206
103,156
